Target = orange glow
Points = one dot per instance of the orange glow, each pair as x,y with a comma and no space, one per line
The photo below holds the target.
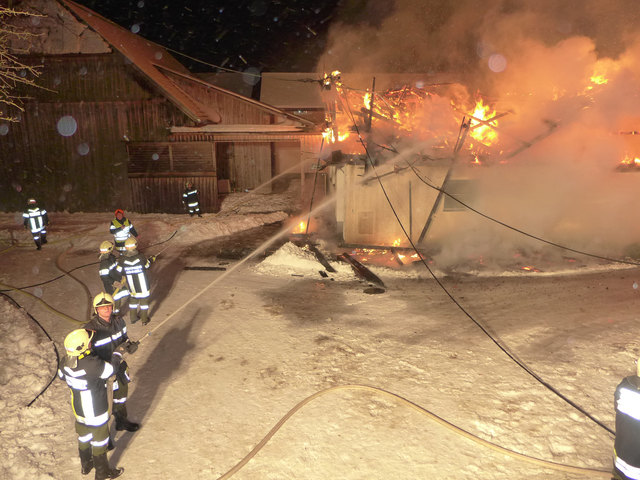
482,132
629,160
530,269
300,228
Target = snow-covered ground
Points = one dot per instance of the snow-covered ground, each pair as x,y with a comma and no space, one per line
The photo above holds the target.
236,342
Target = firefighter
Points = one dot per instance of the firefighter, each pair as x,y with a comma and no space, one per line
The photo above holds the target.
86,375
191,199
121,229
36,220
110,332
626,450
134,265
114,284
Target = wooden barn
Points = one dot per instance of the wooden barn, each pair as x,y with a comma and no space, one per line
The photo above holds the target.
119,123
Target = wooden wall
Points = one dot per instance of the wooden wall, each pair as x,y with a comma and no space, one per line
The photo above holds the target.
87,170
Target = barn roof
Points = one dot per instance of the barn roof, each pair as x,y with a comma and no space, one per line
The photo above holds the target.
155,62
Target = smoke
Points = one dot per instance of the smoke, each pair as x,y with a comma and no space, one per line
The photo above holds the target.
567,75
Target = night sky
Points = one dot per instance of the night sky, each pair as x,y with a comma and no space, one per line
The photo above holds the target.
263,35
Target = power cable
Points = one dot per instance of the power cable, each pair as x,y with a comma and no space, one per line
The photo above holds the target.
455,301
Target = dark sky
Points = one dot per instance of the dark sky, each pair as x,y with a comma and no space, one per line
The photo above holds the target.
268,35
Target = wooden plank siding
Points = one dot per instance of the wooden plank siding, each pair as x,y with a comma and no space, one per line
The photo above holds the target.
86,171
158,173
164,194
233,110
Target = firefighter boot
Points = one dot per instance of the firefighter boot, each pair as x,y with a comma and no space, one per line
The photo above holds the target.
104,471
38,245
86,460
44,238
133,316
144,316
123,423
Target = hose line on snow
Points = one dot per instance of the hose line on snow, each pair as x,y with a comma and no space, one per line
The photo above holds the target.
592,473
55,348
9,288
484,330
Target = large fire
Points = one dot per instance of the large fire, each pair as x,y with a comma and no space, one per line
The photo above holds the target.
407,111
482,127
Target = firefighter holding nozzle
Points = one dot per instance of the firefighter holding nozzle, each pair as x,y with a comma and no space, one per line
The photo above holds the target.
86,375
109,334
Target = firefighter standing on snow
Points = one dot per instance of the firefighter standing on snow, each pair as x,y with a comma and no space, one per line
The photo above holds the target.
191,199
36,220
111,279
121,229
110,332
86,375
134,265
626,448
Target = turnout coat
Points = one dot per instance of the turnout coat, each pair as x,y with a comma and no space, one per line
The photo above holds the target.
107,335
87,376
627,442
134,266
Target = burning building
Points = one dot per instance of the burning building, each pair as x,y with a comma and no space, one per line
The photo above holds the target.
399,156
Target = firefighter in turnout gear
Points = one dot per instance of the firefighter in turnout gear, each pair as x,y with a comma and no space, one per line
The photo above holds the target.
121,229
191,199
36,220
86,375
110,333
134,265
112,281
626,450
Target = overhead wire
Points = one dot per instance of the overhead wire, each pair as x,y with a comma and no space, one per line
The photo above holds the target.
517,361
535,237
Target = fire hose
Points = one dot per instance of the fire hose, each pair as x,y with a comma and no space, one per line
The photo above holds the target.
485,443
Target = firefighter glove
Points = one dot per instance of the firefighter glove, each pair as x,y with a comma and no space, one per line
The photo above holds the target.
131,346
153,259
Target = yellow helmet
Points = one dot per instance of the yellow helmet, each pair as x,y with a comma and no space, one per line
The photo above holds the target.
106,247
131,243
77,342
102,299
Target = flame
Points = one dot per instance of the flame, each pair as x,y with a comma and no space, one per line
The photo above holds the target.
482,132
300,228
396,243
629,160
529,268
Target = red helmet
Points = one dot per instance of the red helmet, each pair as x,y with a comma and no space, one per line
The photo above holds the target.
119,211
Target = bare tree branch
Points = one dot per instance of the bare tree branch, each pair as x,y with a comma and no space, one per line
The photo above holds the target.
12,70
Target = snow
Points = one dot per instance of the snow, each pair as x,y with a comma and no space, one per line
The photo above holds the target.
229,353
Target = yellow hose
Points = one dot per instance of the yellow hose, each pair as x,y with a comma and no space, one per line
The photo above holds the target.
536,461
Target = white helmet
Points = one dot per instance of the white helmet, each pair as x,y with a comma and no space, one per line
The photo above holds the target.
102,299
32,201
77,342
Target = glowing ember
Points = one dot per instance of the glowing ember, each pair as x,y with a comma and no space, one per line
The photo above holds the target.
632,161
396,243
530,269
